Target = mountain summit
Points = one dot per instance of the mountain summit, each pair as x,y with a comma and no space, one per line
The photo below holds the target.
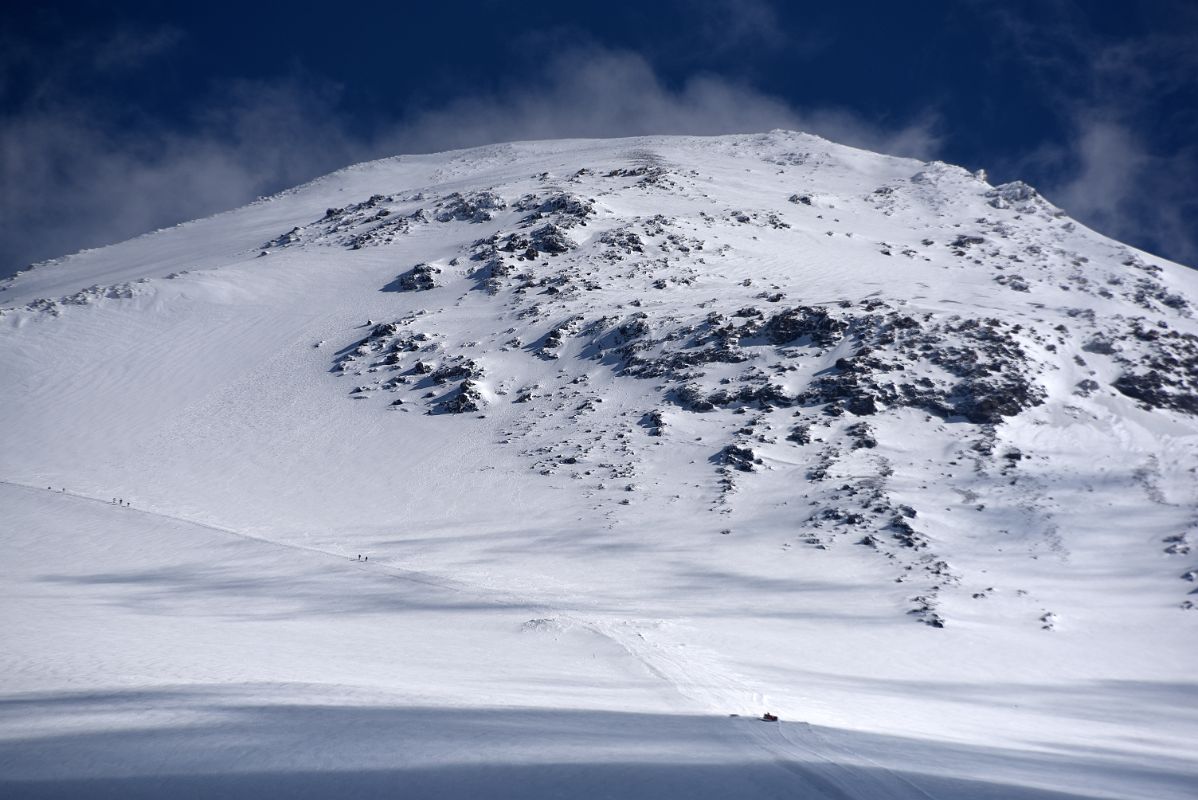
771,417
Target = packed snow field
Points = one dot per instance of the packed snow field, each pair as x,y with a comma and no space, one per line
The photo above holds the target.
546,469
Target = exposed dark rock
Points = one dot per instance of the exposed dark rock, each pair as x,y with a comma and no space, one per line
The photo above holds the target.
1014,194
566,209
906,535
739,458
1166,376
556,336
464,399
470,207
862,435
692,398
622,242
1156,390
800,434
964,241
550,238
988,401
654,422
491,274
1100,346
460,370
925,609
419,278
788,326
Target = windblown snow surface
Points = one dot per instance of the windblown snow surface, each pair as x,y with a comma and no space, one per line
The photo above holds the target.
641,439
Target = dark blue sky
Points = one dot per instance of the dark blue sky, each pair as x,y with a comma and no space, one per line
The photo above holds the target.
116,118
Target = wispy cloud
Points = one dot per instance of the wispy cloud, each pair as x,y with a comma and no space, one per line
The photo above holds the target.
727,24
33,75
601,93
76,175
1117,184
71,178
1118,170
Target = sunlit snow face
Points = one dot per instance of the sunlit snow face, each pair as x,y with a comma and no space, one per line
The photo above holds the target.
627,437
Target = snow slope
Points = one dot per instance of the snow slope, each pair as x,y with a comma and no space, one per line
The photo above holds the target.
637,435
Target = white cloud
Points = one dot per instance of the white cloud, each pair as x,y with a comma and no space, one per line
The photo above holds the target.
1114,182
72,178
1110,164
600,93
1115,171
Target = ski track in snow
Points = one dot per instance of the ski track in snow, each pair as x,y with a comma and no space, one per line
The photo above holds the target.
406,575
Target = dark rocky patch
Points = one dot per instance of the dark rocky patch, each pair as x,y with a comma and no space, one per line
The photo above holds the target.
466,398
464,369
551,239
1166,375
419,278
861,435
800,434
654,423
738,457
814,323
470,207
1016,194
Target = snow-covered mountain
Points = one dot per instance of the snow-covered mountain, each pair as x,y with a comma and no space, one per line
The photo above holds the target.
636,435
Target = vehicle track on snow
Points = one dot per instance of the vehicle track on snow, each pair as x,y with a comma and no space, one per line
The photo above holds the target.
698,675
692,672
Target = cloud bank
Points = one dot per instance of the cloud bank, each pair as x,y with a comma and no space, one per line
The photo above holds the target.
78,170
77,174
